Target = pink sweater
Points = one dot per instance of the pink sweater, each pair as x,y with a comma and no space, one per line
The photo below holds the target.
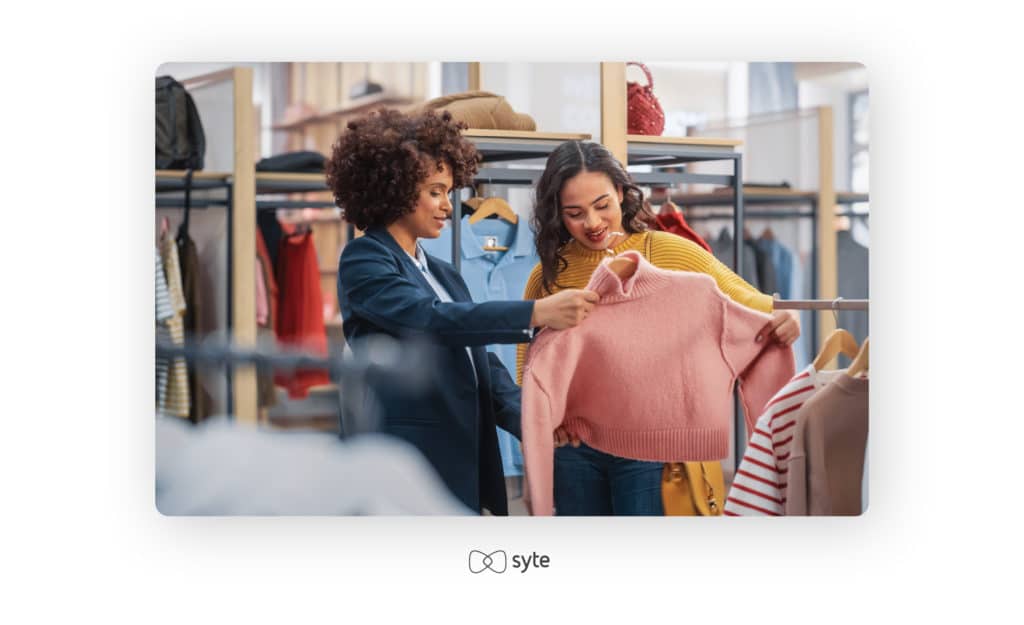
649,375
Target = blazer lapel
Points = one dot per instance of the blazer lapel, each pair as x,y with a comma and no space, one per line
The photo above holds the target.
448,280
411,268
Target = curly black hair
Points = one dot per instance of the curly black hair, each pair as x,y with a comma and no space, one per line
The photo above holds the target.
567,160
378,163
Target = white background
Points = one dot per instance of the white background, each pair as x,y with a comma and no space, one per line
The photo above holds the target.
81,537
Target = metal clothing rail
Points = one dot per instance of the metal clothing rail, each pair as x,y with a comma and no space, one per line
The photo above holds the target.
821,304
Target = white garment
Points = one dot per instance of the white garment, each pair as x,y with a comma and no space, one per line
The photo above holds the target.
222,469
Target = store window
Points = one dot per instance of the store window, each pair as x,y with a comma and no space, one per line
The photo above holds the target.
860,128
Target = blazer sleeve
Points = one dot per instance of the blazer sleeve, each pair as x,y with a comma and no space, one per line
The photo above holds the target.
532,291
761,368
371,285
506,397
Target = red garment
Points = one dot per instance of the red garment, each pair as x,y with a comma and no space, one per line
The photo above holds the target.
300,322
676,224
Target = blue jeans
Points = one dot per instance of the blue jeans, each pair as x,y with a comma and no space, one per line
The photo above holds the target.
589,482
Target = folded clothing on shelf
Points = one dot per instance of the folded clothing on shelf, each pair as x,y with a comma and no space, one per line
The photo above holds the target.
295,162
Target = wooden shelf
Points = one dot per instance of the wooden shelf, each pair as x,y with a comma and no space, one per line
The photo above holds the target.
273,176
196,175
485,133
370,104
697,141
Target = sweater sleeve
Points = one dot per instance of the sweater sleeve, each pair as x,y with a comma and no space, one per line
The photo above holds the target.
761,368
669,251
545,388
533,291
796,472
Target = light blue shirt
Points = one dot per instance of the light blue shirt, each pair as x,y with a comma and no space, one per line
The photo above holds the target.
493,276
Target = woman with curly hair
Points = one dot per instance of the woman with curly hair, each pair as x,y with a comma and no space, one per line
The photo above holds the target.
587,205
392,174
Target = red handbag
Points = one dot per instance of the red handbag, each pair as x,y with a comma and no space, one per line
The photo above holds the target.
643,112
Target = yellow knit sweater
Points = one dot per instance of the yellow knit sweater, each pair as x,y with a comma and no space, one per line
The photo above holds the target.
667,251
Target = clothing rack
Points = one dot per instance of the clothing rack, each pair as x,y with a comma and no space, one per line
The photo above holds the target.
185,182
274,183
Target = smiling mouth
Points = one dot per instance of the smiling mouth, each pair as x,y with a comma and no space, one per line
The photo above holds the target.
598,236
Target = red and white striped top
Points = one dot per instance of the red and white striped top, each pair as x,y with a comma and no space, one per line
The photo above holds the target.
759,488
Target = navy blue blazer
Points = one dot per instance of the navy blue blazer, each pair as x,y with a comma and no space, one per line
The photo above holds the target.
381,290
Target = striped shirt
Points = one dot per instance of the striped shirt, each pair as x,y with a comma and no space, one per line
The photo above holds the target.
177,398
163,334
760,484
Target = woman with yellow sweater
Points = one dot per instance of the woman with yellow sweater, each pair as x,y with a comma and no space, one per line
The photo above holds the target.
587,205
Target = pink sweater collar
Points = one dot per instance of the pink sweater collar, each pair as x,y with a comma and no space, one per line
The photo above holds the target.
646,280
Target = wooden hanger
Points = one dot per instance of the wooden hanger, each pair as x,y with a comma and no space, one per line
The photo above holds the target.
494,206
668,207
474,203
860,363
839,342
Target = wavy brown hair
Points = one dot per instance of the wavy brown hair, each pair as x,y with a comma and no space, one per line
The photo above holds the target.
565,162
378,163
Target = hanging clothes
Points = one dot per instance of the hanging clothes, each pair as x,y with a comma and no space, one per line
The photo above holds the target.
830,439
493,276
766,278
164,312
188,256
758,488
272,233
177,399
782,261
721,247
852,278
300,323
266,262
676,224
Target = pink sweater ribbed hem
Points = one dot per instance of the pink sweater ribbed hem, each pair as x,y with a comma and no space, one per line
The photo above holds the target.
671,445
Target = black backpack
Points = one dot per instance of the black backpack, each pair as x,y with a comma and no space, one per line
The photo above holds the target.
180,142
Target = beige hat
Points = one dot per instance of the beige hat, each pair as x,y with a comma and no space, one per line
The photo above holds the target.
481,109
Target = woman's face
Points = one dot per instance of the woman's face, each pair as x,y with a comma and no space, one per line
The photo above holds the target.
592,210
433,206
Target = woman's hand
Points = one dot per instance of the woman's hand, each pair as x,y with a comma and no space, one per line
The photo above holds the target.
563,438
784,328
564,309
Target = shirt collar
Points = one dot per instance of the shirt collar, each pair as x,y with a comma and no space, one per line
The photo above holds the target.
420,258
471,247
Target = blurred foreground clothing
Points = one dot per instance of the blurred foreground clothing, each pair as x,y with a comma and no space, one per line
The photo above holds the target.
225,469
